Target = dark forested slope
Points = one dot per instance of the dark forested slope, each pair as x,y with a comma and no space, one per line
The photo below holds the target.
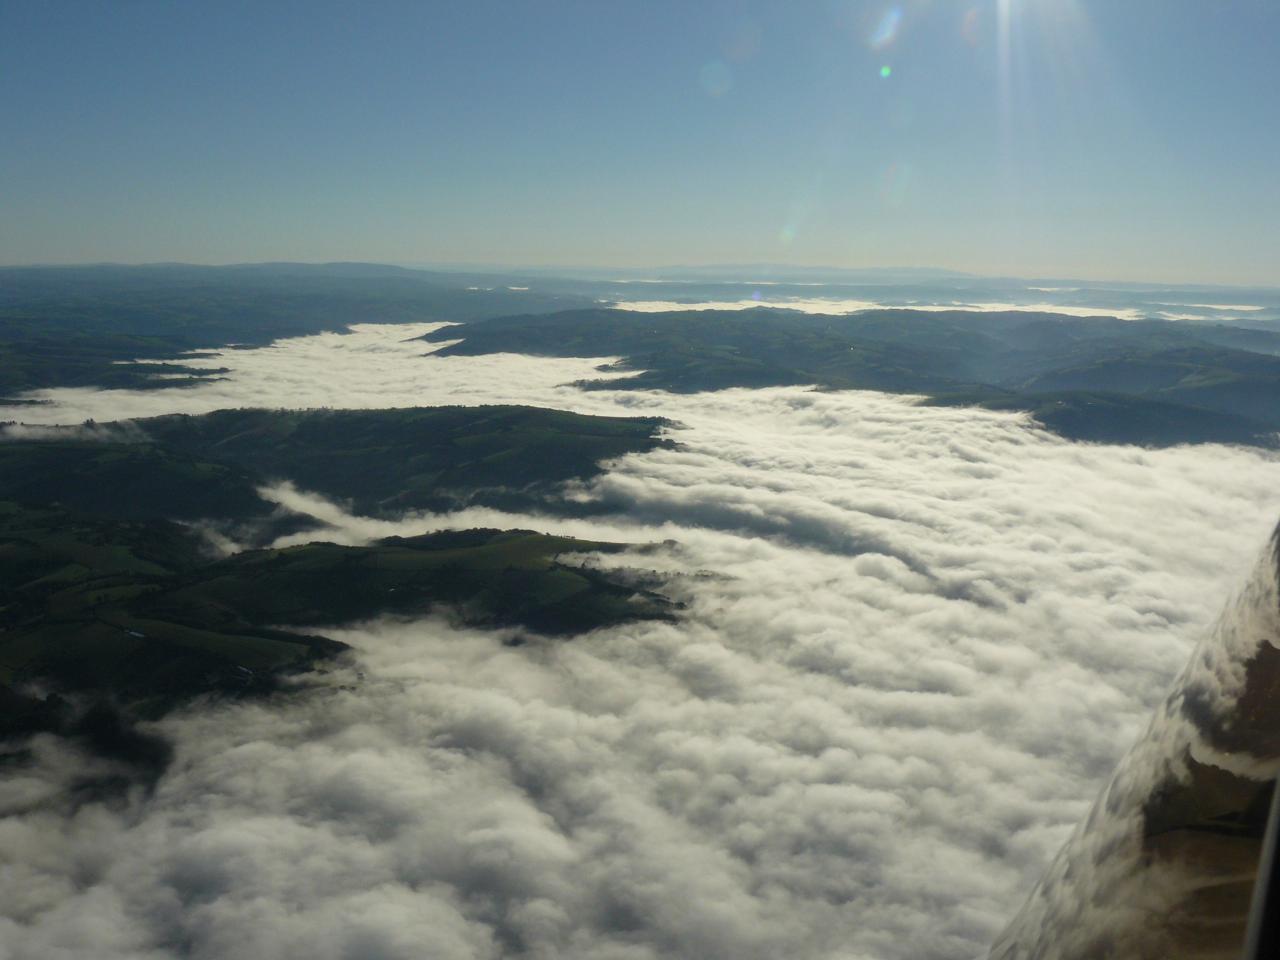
107,604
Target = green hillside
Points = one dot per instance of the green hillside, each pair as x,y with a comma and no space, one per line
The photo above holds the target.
136,611
433,458
381,462
1093,378
107,604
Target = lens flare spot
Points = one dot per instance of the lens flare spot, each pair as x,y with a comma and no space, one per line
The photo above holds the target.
787,235
886,30
895,183
886,71
716,78
743,43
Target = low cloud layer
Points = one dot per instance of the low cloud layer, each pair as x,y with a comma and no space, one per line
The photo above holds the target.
122,432
372,366
917,640
831,305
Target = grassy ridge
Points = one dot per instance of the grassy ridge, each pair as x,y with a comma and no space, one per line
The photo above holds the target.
437,458
136,611
130,479
103,596
382,462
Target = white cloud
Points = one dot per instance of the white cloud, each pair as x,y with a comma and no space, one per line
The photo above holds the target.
917,640
825,305
121,432
1120,886
1247,307
372,366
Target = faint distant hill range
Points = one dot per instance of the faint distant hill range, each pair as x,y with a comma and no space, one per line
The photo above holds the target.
81,325
1161,375
1153,382
744,272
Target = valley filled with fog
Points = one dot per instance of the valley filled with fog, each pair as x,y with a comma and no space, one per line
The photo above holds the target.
914,642
640,481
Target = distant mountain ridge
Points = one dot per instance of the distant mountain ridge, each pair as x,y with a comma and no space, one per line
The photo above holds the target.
1152,381
81,326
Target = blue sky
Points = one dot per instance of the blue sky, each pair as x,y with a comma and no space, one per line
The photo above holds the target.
1126,139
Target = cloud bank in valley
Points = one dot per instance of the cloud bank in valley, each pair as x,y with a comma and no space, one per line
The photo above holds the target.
822,305
123,432
372,366
916,641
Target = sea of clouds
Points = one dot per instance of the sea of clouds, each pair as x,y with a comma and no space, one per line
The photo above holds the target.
1067,301
830,305
916,642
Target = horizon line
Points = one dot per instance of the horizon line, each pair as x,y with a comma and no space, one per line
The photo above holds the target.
566,270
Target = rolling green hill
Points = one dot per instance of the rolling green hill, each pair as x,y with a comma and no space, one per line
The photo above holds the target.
137,613
1147,382
381,462
436,458
123,613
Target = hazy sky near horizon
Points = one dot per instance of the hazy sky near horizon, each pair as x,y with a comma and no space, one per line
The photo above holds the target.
1017,137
